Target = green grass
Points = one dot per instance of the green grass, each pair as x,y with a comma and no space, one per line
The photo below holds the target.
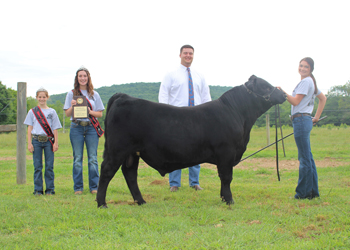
264,215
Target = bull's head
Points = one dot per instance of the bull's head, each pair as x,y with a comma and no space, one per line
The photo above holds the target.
261,88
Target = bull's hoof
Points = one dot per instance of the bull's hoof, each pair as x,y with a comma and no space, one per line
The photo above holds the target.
228,202
102,206
231,202
140,202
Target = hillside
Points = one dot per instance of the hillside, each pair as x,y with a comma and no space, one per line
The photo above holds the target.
143,90
336,109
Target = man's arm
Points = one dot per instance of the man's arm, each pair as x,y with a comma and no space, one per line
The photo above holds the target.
205,95
163,96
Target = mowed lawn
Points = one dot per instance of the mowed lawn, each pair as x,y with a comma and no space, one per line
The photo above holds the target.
264,216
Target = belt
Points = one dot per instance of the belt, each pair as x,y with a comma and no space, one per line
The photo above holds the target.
41,138
82,123
298,115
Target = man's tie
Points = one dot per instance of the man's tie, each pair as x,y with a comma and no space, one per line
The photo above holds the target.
190,89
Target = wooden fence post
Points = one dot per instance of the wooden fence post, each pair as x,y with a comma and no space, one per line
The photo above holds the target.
21,132
268,128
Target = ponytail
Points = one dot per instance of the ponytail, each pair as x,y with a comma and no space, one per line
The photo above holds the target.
313,78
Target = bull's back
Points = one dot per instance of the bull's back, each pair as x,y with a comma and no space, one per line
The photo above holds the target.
143,118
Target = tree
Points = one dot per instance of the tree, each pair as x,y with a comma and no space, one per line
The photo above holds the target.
31,103
8,106
340,90
338,104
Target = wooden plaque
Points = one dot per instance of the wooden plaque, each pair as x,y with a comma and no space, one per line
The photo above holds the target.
80,110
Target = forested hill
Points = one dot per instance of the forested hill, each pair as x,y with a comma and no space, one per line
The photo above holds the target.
337,108
144,90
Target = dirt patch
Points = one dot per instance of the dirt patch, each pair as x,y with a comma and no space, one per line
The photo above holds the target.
13,158
253,163
257,163
160,182
30,157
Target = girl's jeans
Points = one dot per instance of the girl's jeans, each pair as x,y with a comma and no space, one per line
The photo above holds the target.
39,147
308,180
78,136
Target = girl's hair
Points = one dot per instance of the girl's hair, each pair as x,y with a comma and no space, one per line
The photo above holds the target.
311,64
89,87
42,90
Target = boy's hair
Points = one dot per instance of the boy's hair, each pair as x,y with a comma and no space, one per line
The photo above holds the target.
186,46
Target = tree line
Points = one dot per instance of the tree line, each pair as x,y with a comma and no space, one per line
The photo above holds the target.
337,108
8,105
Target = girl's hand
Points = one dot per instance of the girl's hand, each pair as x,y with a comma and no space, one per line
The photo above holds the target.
55,147
97,114
73,102
281,89
30,147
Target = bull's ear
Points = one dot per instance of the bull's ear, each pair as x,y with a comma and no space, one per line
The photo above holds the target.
252,78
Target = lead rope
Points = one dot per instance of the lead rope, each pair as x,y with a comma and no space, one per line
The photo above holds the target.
274,143
279,117
277,110
278,173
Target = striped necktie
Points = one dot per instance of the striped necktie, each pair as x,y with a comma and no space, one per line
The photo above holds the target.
190,89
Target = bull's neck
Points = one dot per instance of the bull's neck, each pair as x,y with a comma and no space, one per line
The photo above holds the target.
249,106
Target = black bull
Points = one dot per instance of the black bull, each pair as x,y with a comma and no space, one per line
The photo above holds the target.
169,138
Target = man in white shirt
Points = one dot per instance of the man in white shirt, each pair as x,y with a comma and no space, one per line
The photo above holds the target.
184,87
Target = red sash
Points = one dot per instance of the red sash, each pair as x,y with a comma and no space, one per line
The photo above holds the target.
94,120
39,115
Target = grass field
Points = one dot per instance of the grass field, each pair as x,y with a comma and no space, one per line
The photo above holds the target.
264,216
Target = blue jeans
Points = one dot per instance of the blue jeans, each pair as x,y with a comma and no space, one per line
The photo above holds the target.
39,147
78,135
193,178
308,181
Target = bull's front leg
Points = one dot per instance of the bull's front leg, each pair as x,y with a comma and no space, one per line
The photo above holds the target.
225,174
108,170
129,169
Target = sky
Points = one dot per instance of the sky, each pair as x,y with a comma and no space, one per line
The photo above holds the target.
43,43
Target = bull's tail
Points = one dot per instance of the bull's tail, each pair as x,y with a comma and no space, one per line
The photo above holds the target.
109,105
112,99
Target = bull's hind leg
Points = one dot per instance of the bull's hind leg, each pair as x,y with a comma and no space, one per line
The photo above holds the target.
108,170
225,174
129,169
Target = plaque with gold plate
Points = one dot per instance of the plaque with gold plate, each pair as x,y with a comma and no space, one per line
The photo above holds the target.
80,109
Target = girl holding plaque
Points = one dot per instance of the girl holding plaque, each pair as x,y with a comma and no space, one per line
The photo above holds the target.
84,105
